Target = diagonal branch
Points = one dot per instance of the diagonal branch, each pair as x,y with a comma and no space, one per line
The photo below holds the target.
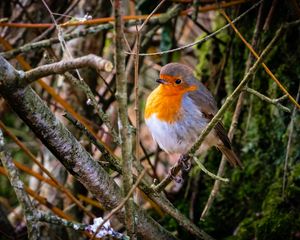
63,66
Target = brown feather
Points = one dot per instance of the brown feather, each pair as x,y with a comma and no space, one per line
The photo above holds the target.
207,105
231,157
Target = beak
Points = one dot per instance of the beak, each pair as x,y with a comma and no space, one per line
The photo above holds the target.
161,81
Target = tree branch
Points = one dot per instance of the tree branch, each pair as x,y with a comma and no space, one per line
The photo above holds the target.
91,60
18,185
125,130
53,219
275,102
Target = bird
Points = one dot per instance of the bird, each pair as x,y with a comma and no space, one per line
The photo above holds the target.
177,111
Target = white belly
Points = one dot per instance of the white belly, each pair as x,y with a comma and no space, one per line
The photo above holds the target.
179,137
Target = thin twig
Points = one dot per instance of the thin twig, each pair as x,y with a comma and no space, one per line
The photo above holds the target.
202,39
151,14
136,96
106,154
136,81
275,102
91,100
53,219
120,206
47,31
213,176
60,34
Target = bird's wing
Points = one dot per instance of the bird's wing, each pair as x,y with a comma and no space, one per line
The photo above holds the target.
207,105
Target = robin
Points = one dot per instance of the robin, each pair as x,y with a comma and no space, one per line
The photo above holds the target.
179,109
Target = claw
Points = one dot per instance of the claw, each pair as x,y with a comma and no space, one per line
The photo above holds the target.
177,179
185,162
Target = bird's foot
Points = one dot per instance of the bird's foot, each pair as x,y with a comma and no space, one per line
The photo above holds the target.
177,179
185,163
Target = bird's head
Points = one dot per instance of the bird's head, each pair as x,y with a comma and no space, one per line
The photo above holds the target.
176,78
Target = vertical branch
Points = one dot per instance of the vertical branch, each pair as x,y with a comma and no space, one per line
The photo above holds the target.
136,96
288,147
18,185
126,139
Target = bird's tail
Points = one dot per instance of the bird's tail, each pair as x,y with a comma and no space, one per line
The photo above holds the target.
231,157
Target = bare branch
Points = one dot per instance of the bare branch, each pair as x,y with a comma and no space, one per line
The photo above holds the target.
63,66
275,102
51,218
18,185
236,115
125,129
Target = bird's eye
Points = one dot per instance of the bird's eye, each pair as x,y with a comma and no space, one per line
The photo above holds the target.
177,81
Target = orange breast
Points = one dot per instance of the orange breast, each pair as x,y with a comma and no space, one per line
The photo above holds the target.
165,106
